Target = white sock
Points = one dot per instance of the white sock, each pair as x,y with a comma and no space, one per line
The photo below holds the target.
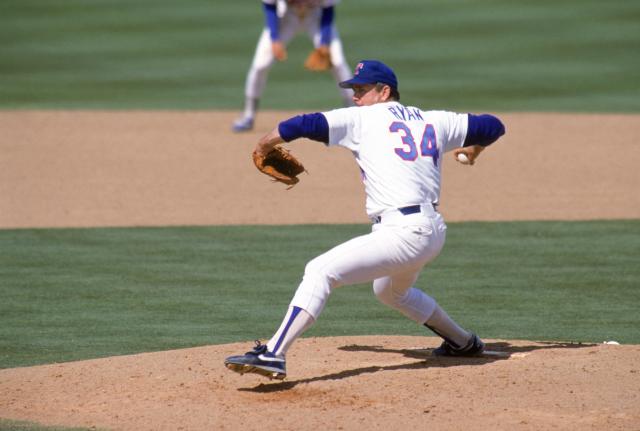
250,107
295,322
444,326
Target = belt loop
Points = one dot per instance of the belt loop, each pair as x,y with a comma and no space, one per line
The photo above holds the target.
411,209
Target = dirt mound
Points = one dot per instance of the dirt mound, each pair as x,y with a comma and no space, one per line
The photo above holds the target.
374,382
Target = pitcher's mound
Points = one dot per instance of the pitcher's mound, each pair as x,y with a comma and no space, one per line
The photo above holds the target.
350,383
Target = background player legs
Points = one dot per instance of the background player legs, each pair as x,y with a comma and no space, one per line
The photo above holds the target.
340,69
256,82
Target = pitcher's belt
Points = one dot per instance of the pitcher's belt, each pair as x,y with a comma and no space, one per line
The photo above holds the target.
411,209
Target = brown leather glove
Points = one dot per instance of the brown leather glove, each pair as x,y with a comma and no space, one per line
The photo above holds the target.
319,59
280,165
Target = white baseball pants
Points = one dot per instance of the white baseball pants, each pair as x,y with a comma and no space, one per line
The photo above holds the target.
391,256
290,25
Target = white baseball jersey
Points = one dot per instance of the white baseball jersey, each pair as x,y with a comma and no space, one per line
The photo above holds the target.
399,150
282,6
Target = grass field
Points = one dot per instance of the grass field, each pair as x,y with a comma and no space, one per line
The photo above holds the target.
498,55
71,294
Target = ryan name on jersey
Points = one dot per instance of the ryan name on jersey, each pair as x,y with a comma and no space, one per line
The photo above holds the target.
405,114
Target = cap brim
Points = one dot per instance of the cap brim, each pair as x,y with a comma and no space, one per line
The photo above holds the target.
354,81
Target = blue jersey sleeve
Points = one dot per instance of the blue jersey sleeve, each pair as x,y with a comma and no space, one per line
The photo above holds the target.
326,23
271,20
312,126
483,130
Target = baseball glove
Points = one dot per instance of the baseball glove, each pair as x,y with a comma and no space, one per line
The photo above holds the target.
280,165
319,60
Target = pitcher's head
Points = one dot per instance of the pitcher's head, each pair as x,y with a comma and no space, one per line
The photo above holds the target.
370,75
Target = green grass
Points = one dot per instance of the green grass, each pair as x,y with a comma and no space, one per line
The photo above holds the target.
9,425
71,294
547,55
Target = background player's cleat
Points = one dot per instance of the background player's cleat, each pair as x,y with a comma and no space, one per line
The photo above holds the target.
243,124
474,347
259,361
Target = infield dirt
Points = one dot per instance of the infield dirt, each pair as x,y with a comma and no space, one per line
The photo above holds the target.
76,169
186,168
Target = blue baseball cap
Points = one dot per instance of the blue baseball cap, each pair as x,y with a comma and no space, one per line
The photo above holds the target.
371,72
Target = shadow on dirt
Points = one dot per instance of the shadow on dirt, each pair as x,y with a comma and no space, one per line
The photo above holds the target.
497,351
500,350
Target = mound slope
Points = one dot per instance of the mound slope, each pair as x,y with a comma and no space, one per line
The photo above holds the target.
377,382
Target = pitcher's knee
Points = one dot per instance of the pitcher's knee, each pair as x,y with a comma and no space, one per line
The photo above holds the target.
316,271
386,295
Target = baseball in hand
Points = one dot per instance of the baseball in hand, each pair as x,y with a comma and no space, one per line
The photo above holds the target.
462,158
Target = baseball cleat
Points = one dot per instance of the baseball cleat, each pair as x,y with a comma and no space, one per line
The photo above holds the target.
243,124
258,361
474,347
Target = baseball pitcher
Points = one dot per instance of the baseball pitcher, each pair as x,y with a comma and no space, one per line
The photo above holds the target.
399,150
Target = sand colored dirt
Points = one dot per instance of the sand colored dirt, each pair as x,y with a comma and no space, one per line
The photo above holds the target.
68,169
77,169
348,383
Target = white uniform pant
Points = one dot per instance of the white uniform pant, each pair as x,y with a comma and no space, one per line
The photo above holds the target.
290,25
391,256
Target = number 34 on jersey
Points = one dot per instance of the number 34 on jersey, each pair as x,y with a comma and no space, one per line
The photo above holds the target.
410,150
